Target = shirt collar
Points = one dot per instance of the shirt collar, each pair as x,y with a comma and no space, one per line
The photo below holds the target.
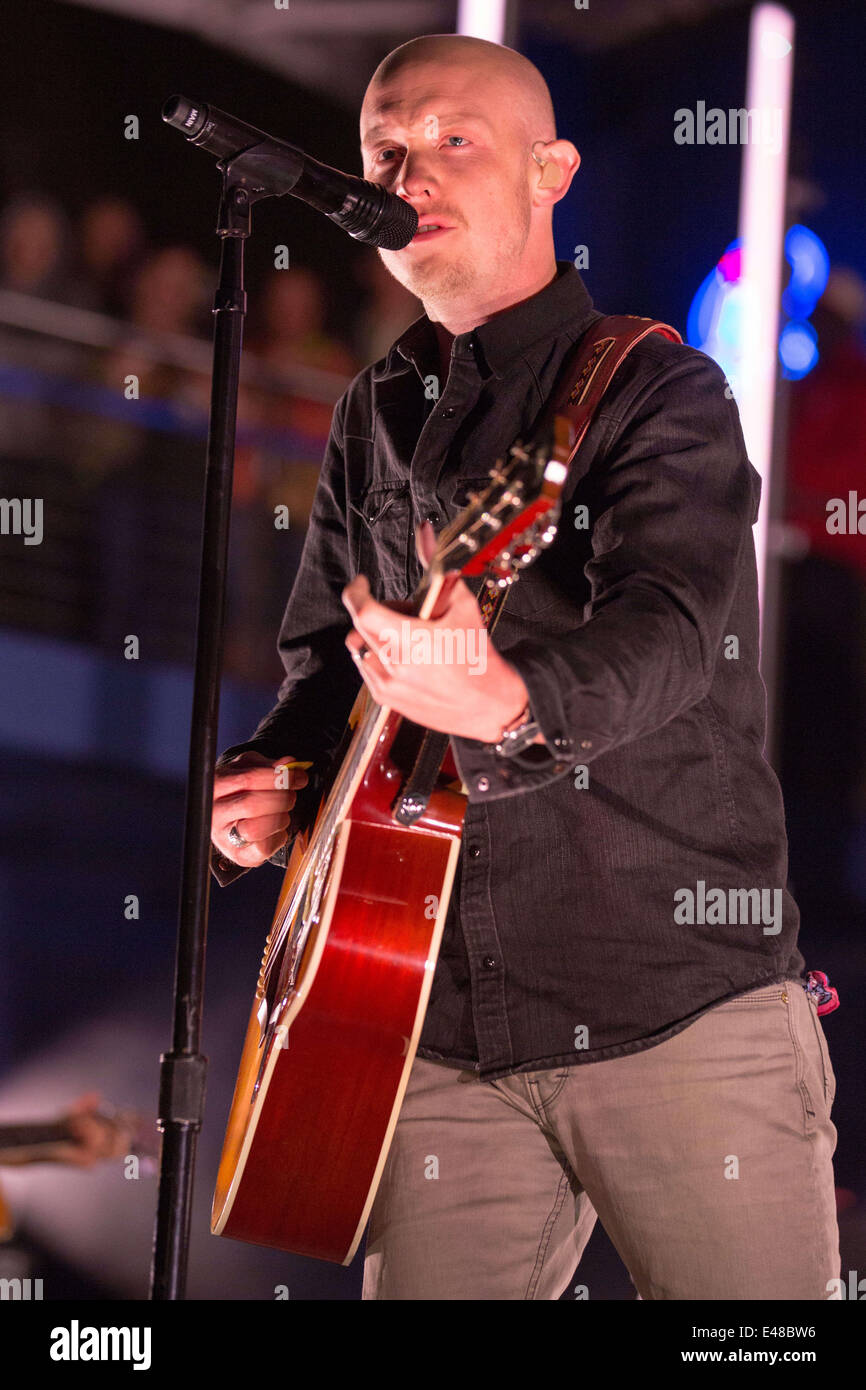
564,303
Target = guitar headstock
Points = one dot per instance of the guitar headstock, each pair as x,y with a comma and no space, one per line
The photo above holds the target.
504,527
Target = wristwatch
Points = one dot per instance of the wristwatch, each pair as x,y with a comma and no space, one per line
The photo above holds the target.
518,734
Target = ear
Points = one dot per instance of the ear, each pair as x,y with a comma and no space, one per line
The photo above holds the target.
560,162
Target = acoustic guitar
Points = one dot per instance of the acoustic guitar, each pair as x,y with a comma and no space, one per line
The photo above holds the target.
349,959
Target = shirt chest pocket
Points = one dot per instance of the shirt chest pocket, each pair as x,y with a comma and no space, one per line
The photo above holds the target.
381,538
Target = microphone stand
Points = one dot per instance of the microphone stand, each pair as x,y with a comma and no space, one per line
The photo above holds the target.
260,168
183,1070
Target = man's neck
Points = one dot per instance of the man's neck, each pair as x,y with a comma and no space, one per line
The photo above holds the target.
444,339
460,318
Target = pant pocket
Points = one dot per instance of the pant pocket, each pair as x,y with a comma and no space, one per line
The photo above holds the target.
814,1072
829,1076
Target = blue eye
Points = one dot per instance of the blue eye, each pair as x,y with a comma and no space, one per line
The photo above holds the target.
388,153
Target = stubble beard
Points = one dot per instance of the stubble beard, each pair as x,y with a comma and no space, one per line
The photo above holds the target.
440,283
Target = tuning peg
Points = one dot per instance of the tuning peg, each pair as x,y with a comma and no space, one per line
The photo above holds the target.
469,541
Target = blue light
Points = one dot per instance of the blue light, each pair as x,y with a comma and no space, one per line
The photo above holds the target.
798,349
714,315
700,320
714,318
810,265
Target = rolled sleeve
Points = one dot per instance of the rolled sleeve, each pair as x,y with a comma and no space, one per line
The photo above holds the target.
671,505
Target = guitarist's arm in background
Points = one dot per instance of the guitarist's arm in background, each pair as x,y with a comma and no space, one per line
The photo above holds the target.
92,1138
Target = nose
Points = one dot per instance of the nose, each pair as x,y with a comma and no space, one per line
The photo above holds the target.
414,177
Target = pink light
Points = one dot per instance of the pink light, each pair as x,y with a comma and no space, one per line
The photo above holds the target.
730,265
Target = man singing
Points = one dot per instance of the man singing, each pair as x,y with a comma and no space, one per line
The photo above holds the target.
618,1025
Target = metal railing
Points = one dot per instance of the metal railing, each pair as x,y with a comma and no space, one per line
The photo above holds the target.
118,479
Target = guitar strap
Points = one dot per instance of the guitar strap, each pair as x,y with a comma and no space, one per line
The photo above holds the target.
583,380
586,374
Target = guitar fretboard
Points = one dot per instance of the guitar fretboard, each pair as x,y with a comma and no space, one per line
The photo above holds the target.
31,1135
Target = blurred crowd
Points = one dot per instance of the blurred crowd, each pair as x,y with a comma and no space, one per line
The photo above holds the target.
104,394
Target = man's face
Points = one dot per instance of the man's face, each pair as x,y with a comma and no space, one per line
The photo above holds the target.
447,138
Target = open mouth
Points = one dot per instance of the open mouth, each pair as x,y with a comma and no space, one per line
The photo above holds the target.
428,231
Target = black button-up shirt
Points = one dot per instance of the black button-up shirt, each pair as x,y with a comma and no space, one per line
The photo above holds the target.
622,877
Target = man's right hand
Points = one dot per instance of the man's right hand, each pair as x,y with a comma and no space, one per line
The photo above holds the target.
251,793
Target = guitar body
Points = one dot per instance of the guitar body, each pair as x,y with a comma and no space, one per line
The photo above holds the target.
317,1099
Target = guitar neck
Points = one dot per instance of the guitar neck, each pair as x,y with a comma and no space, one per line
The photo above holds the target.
363,731
32,1136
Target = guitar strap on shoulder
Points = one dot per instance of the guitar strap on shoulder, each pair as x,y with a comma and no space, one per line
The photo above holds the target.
582,382
598,354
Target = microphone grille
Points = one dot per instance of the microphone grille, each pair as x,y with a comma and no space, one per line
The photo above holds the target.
378,218
398,228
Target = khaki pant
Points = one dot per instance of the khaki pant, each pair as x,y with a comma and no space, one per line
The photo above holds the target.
707,1158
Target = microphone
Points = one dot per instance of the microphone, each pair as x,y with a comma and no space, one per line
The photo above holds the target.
363,209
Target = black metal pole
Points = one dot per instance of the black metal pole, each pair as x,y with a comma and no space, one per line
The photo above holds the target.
183,1070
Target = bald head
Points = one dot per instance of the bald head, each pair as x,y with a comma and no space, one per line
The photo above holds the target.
504,74
464,130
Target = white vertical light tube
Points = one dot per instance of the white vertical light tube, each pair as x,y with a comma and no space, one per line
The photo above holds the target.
482,19
762,229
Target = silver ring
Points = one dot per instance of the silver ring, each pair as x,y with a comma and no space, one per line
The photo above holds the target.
236,838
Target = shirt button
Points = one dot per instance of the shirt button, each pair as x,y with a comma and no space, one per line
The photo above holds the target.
586,743
474,851
448,413
564,744
433,517
489,962
483,784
